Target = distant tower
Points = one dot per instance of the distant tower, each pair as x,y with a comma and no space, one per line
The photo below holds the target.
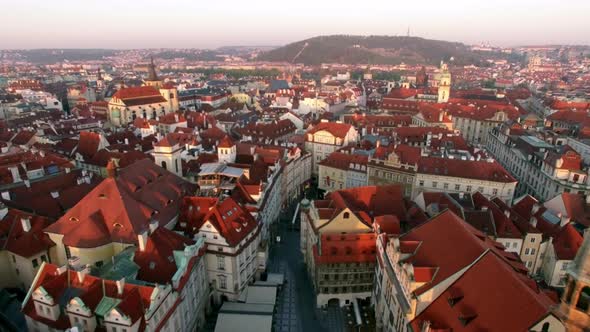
226,150
574,308
444,85
422,78
152,79
99,80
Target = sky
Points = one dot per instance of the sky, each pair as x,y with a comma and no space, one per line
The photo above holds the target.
124,24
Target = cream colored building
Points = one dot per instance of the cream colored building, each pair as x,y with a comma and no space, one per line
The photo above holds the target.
456,176
327,137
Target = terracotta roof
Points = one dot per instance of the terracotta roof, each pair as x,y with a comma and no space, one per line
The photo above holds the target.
434,251
230,219
345,161
566,242
226,142
119,209
337,129
91,290
88,144
23,137
467,306
156,262
136,92
24,243
469,169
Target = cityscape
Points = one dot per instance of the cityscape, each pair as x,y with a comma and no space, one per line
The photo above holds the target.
381,176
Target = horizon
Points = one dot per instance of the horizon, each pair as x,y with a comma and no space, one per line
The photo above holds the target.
184,24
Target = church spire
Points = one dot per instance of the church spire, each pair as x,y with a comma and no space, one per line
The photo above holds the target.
152,76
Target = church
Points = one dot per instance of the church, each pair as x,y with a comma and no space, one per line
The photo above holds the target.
150,101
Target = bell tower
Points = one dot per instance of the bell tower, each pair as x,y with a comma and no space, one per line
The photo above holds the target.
574,308
444,85
152,79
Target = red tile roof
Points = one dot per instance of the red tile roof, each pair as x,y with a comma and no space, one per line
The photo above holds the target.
469,169
345,161
434,251
467,306
156,262
337,129
20,242
229,218
119,209
88,144
91,290
136,92
566,242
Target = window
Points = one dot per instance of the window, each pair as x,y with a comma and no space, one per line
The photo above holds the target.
222,282
457,187
35,263
446,186
164,165
220,262
514,244
526,251
44,258
494,192
346,215
421,183
533,240
532,251
468,189
434,184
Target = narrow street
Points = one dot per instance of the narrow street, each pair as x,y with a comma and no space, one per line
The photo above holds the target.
296,305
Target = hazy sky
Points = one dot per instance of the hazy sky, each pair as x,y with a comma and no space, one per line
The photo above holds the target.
213,23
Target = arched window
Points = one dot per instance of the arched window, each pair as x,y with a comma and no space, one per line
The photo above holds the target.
154,115
545,327
176,164
346,215
133,115
164,165
144,114
584,299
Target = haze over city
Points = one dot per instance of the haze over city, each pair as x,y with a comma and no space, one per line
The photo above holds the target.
209,24
276,166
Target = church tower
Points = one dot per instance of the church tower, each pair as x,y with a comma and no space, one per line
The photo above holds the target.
152,79
226,151
574,308
444,84
99,80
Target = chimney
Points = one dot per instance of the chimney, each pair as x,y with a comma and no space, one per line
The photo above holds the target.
68,170
27,183
6,195
440,116
461,195
126,141
111,169
507,214
153,226
55,194
533,221
83,272
15,174
142,241
3,211
120,286
26,223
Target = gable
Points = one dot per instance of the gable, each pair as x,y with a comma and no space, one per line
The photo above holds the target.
345,221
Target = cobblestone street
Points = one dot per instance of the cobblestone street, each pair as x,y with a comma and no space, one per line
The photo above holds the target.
296,303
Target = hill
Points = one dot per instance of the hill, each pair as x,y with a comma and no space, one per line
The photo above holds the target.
371,49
